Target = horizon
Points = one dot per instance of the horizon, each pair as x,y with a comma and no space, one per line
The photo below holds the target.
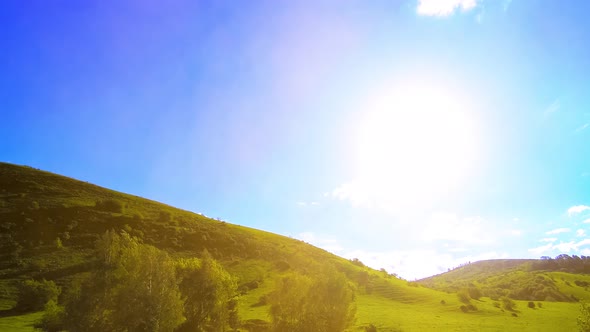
413,135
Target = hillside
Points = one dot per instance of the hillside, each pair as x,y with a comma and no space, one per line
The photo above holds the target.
50,224
561,279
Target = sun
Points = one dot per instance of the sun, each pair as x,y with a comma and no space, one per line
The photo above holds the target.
415,141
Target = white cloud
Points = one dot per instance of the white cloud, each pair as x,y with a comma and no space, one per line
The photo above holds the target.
414,264
548,239
326,243
558,231
565,246
582,128
515,232
577,209
444,7
580,233
450,227
562,247
587,221
541,250
302,204
554,107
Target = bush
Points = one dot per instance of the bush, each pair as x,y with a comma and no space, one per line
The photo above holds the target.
34,295
256,325
531,305
463,296
165,216
371,328
302,303
282,266
474,293
508,304
58,243
53,318
109,205
584,318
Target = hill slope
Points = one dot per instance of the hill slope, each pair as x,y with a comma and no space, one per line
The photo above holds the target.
49,223
559,279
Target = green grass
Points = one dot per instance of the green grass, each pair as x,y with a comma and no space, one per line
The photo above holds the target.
390,315
22,323
14,323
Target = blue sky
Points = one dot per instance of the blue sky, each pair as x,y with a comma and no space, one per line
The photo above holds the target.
414,135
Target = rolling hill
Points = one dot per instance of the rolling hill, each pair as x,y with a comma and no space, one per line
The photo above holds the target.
49,224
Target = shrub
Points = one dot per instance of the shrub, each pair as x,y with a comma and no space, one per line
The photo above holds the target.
584,318
53,318
539,304
474,293
443,302
165,216
58,243
282,266
463,296
257,325
371,328
531,305
34,295
301,303
109,205
508,304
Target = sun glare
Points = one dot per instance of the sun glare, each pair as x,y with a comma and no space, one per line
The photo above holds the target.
416,141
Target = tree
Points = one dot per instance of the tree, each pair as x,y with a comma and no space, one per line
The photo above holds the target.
52,319
324,303
210,295
134,289
584,318
34,295
507,303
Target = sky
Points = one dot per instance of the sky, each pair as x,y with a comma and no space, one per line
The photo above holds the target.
414,135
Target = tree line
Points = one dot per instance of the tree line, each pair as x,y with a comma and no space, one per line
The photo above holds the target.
138,287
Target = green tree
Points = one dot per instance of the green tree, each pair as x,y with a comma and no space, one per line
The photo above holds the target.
135,289
507,303
210,295
34,295
52,319
584,318
324,303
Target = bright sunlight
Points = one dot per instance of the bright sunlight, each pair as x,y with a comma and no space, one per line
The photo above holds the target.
415,140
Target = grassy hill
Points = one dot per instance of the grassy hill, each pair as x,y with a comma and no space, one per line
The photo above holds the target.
521,279
49,224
